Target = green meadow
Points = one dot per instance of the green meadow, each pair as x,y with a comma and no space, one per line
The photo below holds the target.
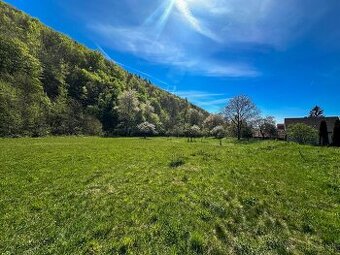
167,196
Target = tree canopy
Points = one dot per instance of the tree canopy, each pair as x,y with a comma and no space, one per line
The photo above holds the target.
241,111
50,84
316,112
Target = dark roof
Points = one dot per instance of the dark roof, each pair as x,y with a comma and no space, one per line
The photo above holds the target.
280,126
312,122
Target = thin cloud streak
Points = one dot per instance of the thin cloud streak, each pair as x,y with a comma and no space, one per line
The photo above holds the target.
212,102
196,94
129,67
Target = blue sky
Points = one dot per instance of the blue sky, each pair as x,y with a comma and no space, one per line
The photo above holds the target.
285,55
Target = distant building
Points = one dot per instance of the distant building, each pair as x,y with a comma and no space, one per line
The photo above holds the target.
313,122
281,132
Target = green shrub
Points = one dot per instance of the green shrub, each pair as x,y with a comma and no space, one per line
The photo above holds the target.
302,134
177,162
197,242
247,132
92,126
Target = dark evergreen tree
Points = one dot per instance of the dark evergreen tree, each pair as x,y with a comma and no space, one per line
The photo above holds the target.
323,134
316,112
336,133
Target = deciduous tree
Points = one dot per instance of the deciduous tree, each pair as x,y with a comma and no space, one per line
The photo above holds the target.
128,107
240,110
267,127
146,129
213,120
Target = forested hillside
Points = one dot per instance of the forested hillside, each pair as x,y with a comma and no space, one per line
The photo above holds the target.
50,84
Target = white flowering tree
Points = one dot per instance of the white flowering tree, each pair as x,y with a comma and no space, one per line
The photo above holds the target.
128,108
193,131
147,129
218,132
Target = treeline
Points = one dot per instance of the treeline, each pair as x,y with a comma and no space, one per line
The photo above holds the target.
51,85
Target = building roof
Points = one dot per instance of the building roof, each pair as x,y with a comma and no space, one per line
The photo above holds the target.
312,122
280,126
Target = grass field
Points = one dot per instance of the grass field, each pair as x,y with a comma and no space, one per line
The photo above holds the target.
167,196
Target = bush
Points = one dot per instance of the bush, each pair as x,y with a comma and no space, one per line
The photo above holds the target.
197,243
92,126
247,132
302,133
176,162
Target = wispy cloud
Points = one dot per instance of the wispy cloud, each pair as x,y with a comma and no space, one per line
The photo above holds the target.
212,102
174,33
194,94
135,40
212,68
149,42
129,67
267,22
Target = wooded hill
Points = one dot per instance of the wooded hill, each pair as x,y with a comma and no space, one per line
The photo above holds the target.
50,84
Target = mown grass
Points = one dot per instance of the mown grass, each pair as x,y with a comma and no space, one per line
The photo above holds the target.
167,196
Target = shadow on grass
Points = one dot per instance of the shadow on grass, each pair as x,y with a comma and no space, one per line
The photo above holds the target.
246,141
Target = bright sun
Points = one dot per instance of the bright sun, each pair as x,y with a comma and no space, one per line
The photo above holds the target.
185,8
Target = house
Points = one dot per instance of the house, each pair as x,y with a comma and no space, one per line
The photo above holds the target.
313,122
281,132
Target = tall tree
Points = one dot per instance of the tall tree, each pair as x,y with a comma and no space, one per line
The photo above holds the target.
336,133
316,112
128,107
267,127
240,111
323,134
194,117
10,117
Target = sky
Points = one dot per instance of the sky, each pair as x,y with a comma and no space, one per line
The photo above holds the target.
284,55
